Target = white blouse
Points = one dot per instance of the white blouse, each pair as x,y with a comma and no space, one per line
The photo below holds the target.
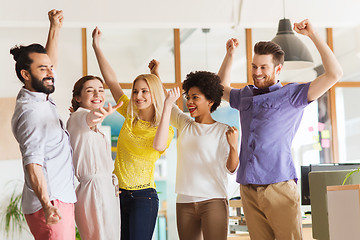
202,153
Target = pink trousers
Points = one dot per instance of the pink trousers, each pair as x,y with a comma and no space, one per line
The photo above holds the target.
63,230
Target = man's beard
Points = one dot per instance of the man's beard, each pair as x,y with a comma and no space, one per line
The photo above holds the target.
267,82
39,86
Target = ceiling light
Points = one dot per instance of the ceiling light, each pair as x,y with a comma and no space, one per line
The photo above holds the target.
297,56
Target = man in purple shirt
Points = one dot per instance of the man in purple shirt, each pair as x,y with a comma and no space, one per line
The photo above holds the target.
270,115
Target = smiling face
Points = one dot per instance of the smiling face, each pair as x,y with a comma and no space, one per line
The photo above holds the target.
264,73
92,95
199,106
40,77
141,95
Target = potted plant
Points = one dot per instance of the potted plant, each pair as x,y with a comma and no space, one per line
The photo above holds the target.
13,220
349,175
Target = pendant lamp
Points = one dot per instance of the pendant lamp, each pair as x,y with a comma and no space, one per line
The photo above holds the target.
297,56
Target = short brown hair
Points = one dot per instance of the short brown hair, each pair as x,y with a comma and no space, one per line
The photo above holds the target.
270,48
78,86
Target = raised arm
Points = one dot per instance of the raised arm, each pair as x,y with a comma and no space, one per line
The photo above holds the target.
333,71
39,186
162,132
225,69
107,71
232,136
154,66
56,20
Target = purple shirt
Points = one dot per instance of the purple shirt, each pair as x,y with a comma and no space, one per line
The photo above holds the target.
269,123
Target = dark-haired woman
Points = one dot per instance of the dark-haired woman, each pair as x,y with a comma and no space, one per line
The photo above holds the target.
207,152
97,209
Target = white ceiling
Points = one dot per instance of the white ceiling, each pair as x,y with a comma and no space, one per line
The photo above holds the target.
323,13
184,13
135,16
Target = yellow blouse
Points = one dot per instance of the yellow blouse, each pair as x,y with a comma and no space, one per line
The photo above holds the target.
136,157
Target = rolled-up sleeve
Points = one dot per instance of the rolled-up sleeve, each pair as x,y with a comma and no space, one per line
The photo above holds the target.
30,133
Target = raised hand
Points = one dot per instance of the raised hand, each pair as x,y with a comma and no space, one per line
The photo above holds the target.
154,67
304,27
96,35
56,17
172,96
162,133
52,214
231,45
98,115
232,136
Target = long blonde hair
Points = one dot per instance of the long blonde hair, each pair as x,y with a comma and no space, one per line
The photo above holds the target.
157,98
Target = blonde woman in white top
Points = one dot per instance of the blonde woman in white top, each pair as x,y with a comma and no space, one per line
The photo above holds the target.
97,211
207,152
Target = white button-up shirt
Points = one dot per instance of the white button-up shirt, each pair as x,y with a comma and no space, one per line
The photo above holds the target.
43,140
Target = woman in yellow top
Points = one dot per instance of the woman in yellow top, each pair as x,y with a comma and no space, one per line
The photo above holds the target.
137,149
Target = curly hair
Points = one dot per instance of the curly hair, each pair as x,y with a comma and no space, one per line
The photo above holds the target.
208,83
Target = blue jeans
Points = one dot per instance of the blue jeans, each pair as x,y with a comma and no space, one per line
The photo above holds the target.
139,209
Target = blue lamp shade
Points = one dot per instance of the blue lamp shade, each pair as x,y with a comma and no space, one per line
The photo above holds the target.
297,56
